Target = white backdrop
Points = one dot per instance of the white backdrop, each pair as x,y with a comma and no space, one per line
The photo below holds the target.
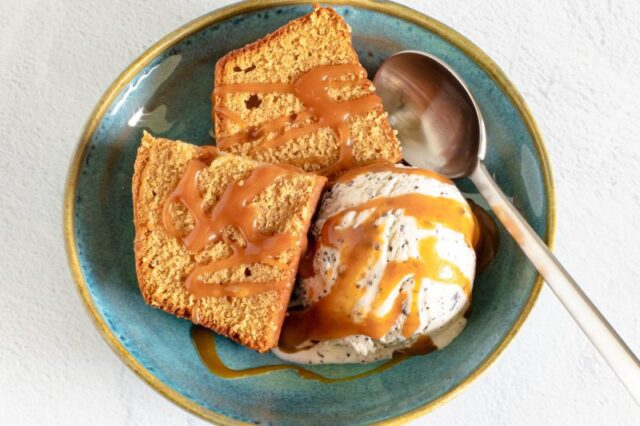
576,62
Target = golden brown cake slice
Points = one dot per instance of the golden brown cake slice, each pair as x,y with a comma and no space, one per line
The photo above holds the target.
218,237
300,96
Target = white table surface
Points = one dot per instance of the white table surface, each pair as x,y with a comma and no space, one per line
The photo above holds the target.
576,62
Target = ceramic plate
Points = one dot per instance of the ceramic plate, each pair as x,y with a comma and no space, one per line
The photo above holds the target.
167,91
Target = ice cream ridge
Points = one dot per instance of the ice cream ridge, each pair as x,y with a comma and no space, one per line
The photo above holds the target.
390,270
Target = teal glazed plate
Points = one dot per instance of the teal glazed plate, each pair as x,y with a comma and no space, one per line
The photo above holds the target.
167,91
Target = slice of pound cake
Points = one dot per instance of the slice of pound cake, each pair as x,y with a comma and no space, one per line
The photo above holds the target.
218,237
300,96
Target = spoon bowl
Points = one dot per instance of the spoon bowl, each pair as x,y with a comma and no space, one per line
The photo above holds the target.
438,121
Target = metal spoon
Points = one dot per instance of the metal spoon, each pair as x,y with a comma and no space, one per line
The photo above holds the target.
441,128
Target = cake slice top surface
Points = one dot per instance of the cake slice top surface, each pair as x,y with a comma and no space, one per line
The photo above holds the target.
218,237
300,96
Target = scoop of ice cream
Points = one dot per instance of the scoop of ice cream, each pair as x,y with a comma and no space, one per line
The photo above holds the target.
393,264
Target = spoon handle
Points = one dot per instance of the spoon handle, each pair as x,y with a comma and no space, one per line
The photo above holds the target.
623,362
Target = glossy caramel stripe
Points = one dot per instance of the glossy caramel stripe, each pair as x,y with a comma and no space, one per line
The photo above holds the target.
233,116
233,209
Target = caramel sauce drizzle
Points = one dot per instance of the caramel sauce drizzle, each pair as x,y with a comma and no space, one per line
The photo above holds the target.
233,210
204,342
427,211
337,315
231,115
322,111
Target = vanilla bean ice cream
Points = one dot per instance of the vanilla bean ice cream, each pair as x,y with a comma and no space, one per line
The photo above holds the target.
392,267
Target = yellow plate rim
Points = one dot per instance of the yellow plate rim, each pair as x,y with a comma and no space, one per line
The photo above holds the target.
389,8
